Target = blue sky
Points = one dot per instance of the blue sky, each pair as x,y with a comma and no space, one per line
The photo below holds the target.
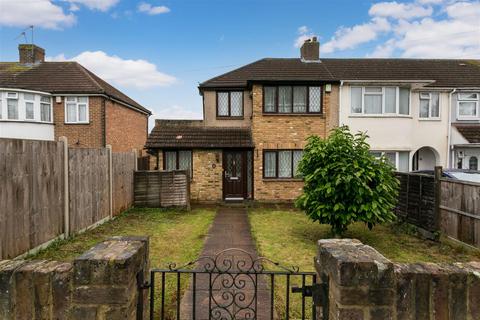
158,51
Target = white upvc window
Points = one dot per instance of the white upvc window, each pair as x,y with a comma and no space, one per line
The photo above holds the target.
29,100
399,159
45,109
467,105
429,105
76,110
376,100
12,106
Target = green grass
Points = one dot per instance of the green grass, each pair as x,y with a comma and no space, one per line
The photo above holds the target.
289,237
175,236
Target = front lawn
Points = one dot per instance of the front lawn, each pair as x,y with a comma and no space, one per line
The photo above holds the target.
175,236
289,237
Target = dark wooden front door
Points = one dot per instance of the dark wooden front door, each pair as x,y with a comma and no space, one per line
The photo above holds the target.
234,175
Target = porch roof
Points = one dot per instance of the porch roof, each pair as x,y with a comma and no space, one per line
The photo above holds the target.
198,137
471,132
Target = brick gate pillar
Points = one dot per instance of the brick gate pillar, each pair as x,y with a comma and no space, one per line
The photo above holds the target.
361,280
105,279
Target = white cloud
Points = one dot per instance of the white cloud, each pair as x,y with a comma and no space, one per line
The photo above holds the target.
448,29
102,5
123,72
40,13
397,10
152,10
351,37
304,33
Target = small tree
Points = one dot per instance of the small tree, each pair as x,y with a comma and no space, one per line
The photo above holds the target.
344,183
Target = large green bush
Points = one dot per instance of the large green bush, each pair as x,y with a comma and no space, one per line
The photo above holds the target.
344,183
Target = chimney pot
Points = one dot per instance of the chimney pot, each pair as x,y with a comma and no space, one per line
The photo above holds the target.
310,50
30,54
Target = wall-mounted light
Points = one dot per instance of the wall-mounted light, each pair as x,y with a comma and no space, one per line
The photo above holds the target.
217,157
328,87
58,99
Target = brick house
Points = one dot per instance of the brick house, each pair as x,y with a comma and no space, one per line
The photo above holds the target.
256,121
46,100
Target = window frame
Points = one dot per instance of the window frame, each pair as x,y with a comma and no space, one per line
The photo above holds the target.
32,101
470,163
476,101
276,151
229,116
177,151
383,113
50,109
307,98
430,117
87,103
15,97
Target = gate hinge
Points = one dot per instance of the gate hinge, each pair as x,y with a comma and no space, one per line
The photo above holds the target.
319,292
143,286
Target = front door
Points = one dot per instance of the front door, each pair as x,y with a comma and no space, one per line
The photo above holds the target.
234,175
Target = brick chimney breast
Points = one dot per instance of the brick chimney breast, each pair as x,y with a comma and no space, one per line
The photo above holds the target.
310,50
30,54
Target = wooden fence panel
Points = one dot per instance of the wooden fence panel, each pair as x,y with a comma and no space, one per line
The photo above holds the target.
157,189
89,192
460,210
416,200
31,194
123,166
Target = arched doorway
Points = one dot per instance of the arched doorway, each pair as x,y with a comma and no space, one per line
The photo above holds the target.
424,159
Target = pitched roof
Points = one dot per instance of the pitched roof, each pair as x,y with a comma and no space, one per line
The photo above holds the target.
187,136
471,132
444,72
270,69
60,78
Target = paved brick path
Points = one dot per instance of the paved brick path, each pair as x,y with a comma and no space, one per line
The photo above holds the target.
230,229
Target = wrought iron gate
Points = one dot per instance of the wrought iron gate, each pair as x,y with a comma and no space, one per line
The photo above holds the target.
233,284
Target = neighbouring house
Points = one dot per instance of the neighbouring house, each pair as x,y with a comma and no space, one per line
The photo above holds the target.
257,119
417,112
45,100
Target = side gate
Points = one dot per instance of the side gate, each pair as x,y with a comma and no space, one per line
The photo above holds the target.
234,284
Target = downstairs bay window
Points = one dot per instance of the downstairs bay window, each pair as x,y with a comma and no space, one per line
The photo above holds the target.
281,164
399,159
380,101
178,160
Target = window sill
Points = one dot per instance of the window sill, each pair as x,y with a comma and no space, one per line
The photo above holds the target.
430,119
76,123
229,118
25,121
321,115
282,180
380,116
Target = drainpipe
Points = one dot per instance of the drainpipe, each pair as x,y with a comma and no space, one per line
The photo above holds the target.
340,92
449,136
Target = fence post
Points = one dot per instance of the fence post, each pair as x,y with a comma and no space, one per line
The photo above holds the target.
135,156
110,179
188,189
438,195
66,196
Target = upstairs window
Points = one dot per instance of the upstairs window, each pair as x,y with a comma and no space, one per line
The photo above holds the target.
76,110
178,160
292,99
12,105
281,164
230,104
380,100
429,105
467,105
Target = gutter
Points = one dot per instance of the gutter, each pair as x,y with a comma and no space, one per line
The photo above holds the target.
449,135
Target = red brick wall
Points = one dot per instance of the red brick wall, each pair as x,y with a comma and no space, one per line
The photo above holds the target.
126,128
81,135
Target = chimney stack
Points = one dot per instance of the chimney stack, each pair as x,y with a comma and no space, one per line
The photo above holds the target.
30,54
310,50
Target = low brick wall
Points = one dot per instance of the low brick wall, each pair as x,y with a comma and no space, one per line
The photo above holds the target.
100,284
364,285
